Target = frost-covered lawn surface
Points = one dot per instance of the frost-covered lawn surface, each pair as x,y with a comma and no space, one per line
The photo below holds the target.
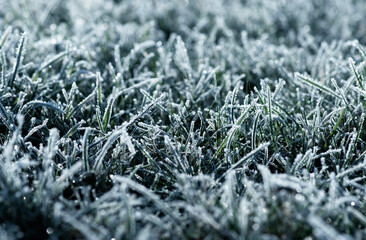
201,119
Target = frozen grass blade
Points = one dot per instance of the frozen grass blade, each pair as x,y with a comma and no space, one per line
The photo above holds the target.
245,158
107,113
183,165
74,129
254,129
37,103
99,90
269,101
181,57
232,131
36,129
85,145
18,61
111,139
3,114
335,127
351,170
80,104
148,194
311,82
356,74
51,61
323,230
150,82
4,36
358,215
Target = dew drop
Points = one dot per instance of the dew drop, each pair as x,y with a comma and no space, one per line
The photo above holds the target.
299,197
49,230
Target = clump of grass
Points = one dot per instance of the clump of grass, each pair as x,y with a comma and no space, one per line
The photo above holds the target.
182,119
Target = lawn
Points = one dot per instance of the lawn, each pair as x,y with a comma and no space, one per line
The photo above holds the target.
182,119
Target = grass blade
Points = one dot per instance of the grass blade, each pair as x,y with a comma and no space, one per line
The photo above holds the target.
37,103
107,113
311,82
5,36
19,58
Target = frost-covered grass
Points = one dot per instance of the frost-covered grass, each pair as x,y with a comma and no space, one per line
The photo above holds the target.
200,119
